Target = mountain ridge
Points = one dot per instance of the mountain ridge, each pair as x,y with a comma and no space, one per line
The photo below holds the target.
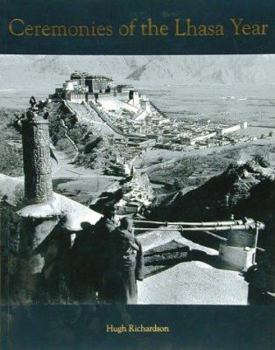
222,69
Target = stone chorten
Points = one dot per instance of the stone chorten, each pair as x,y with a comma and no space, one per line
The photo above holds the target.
36,155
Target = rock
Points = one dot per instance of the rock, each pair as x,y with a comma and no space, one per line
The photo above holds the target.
221,195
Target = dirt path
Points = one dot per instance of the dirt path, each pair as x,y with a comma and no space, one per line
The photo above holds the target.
63,168
79,183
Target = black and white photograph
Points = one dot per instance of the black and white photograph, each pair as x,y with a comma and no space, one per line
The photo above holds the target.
137,179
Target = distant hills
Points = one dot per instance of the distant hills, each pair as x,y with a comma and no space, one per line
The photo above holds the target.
26,71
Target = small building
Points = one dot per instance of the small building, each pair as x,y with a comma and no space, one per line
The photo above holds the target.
134,98
70,85
124,88
95,83
233,128
75,96
80,77
98,83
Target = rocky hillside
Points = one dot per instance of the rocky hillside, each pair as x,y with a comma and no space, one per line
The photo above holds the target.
206,69
75,134
246,190
10,144
96,152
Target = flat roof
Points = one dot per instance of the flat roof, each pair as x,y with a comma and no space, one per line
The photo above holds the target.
79,75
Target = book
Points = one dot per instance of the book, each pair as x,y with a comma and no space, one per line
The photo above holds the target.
137,174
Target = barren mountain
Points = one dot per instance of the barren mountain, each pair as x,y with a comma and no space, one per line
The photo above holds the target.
22,71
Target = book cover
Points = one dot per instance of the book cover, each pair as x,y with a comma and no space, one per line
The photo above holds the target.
137,174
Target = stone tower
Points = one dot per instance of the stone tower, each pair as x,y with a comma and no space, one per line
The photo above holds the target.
37,190
36,155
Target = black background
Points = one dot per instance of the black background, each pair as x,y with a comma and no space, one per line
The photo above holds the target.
117,12
191,327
